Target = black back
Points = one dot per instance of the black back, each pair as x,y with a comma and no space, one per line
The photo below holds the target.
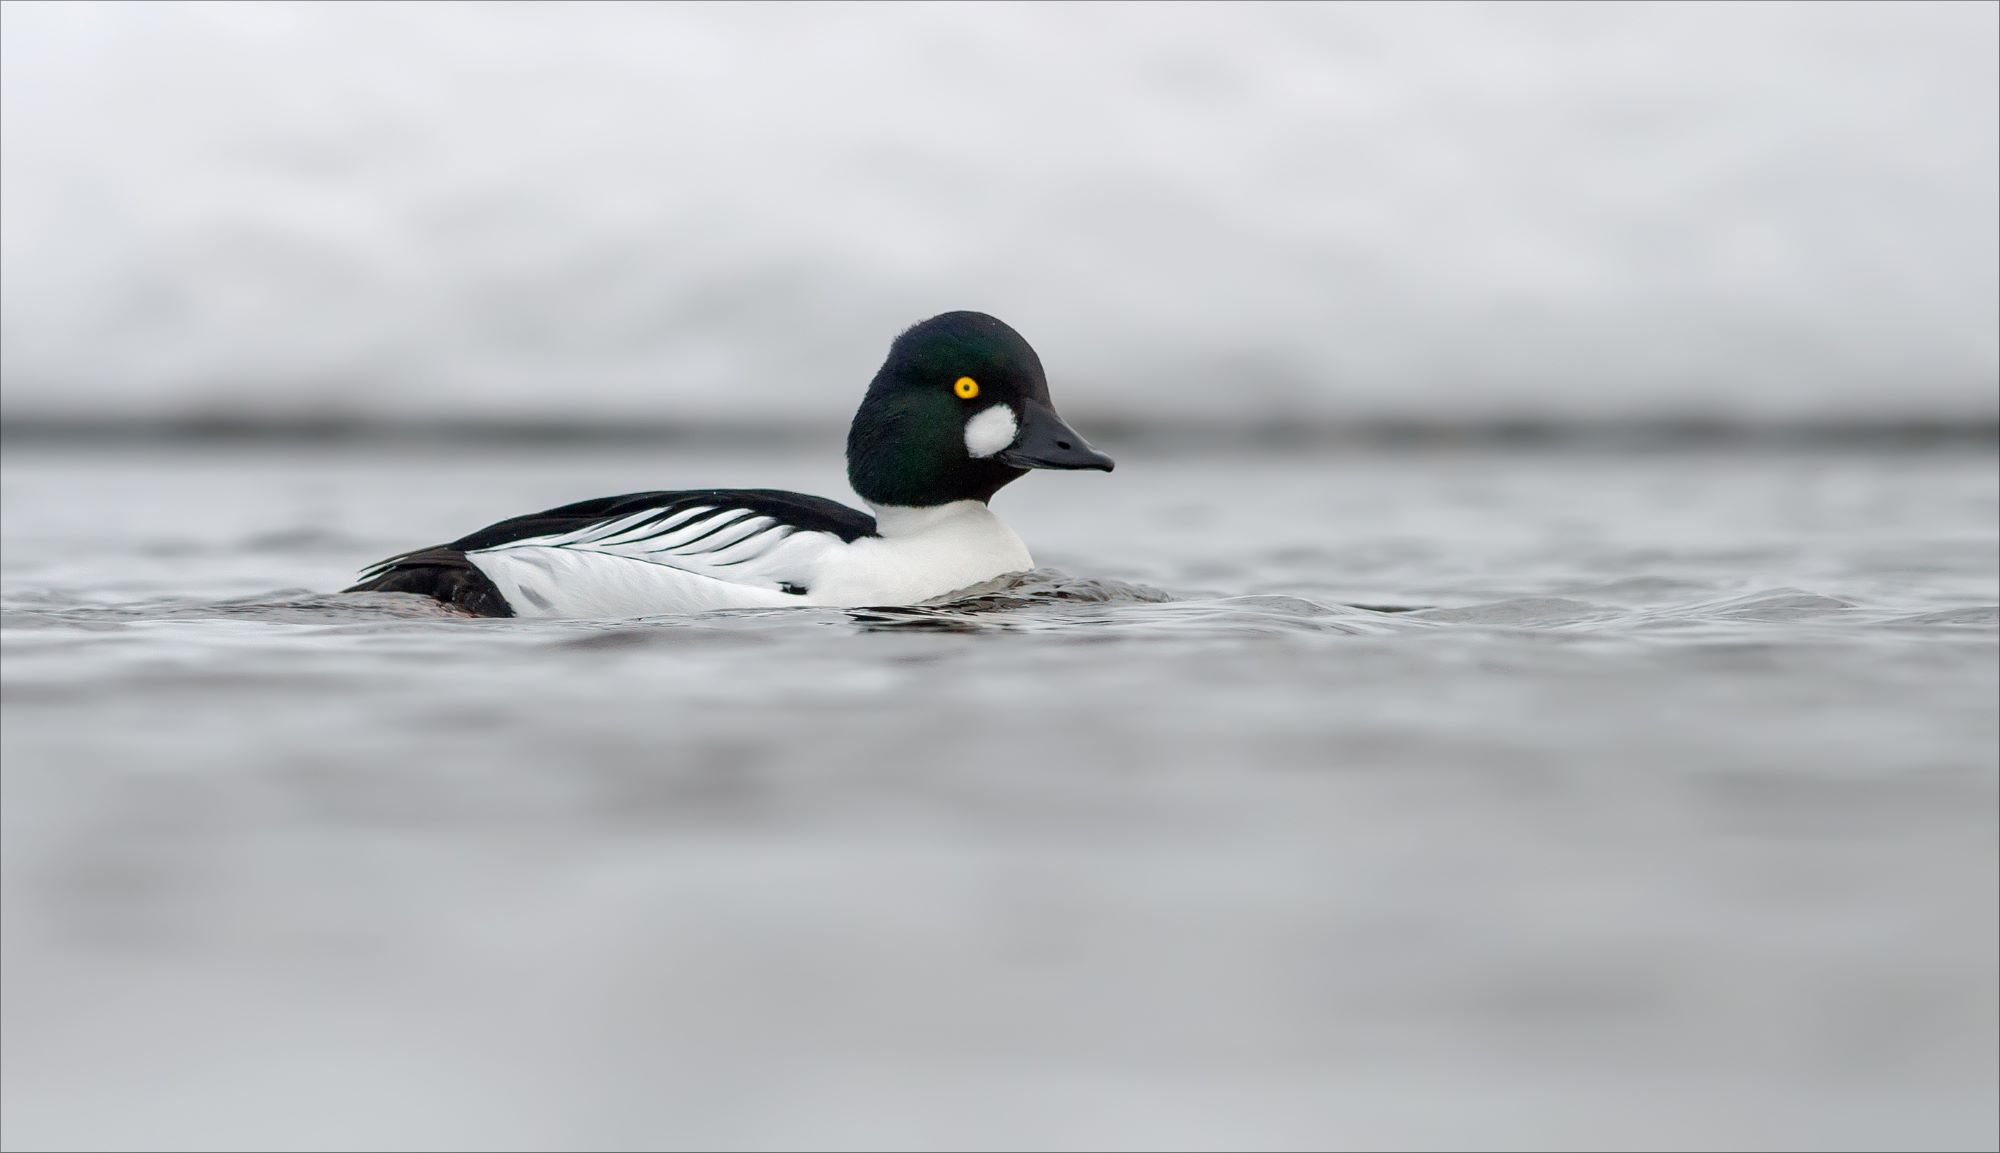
808,513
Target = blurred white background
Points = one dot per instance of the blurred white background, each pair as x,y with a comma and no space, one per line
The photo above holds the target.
1768,211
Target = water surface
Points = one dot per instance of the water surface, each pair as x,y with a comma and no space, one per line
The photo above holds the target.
1422,799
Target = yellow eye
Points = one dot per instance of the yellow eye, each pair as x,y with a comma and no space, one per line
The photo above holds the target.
966,388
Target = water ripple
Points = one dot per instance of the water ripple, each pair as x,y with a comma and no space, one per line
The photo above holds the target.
1041,601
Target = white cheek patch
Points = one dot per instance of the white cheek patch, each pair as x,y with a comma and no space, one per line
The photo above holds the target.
991,431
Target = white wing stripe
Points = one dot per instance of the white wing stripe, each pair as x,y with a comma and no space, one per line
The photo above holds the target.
758,552
758,538
686,532
635,527
727,536
656,527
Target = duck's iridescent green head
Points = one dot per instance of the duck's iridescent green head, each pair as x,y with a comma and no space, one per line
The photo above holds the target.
960,408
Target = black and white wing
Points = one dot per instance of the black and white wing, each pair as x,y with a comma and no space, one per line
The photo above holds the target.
645,553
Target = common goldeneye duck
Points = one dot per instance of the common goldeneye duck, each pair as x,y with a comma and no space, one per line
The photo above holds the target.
959,410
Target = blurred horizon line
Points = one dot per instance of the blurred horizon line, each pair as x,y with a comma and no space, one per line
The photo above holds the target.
1532,432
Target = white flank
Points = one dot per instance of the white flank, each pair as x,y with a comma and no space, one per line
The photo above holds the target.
991,431
623,567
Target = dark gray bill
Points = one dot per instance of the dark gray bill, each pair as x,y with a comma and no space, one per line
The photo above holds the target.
1046,442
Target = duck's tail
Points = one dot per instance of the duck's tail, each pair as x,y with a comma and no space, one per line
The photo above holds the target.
444,574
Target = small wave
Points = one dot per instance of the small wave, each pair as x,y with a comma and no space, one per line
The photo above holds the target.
1640,589
280,606
1782,604
1521,611
1046,586
1983,616
1044,600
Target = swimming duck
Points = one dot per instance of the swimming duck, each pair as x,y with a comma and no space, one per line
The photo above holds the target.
959,410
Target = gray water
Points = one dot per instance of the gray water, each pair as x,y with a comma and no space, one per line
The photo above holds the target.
1659,812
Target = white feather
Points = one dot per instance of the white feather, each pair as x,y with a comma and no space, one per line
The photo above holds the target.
991,431
921,553
619,569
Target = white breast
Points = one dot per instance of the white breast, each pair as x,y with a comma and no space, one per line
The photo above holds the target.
921,553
